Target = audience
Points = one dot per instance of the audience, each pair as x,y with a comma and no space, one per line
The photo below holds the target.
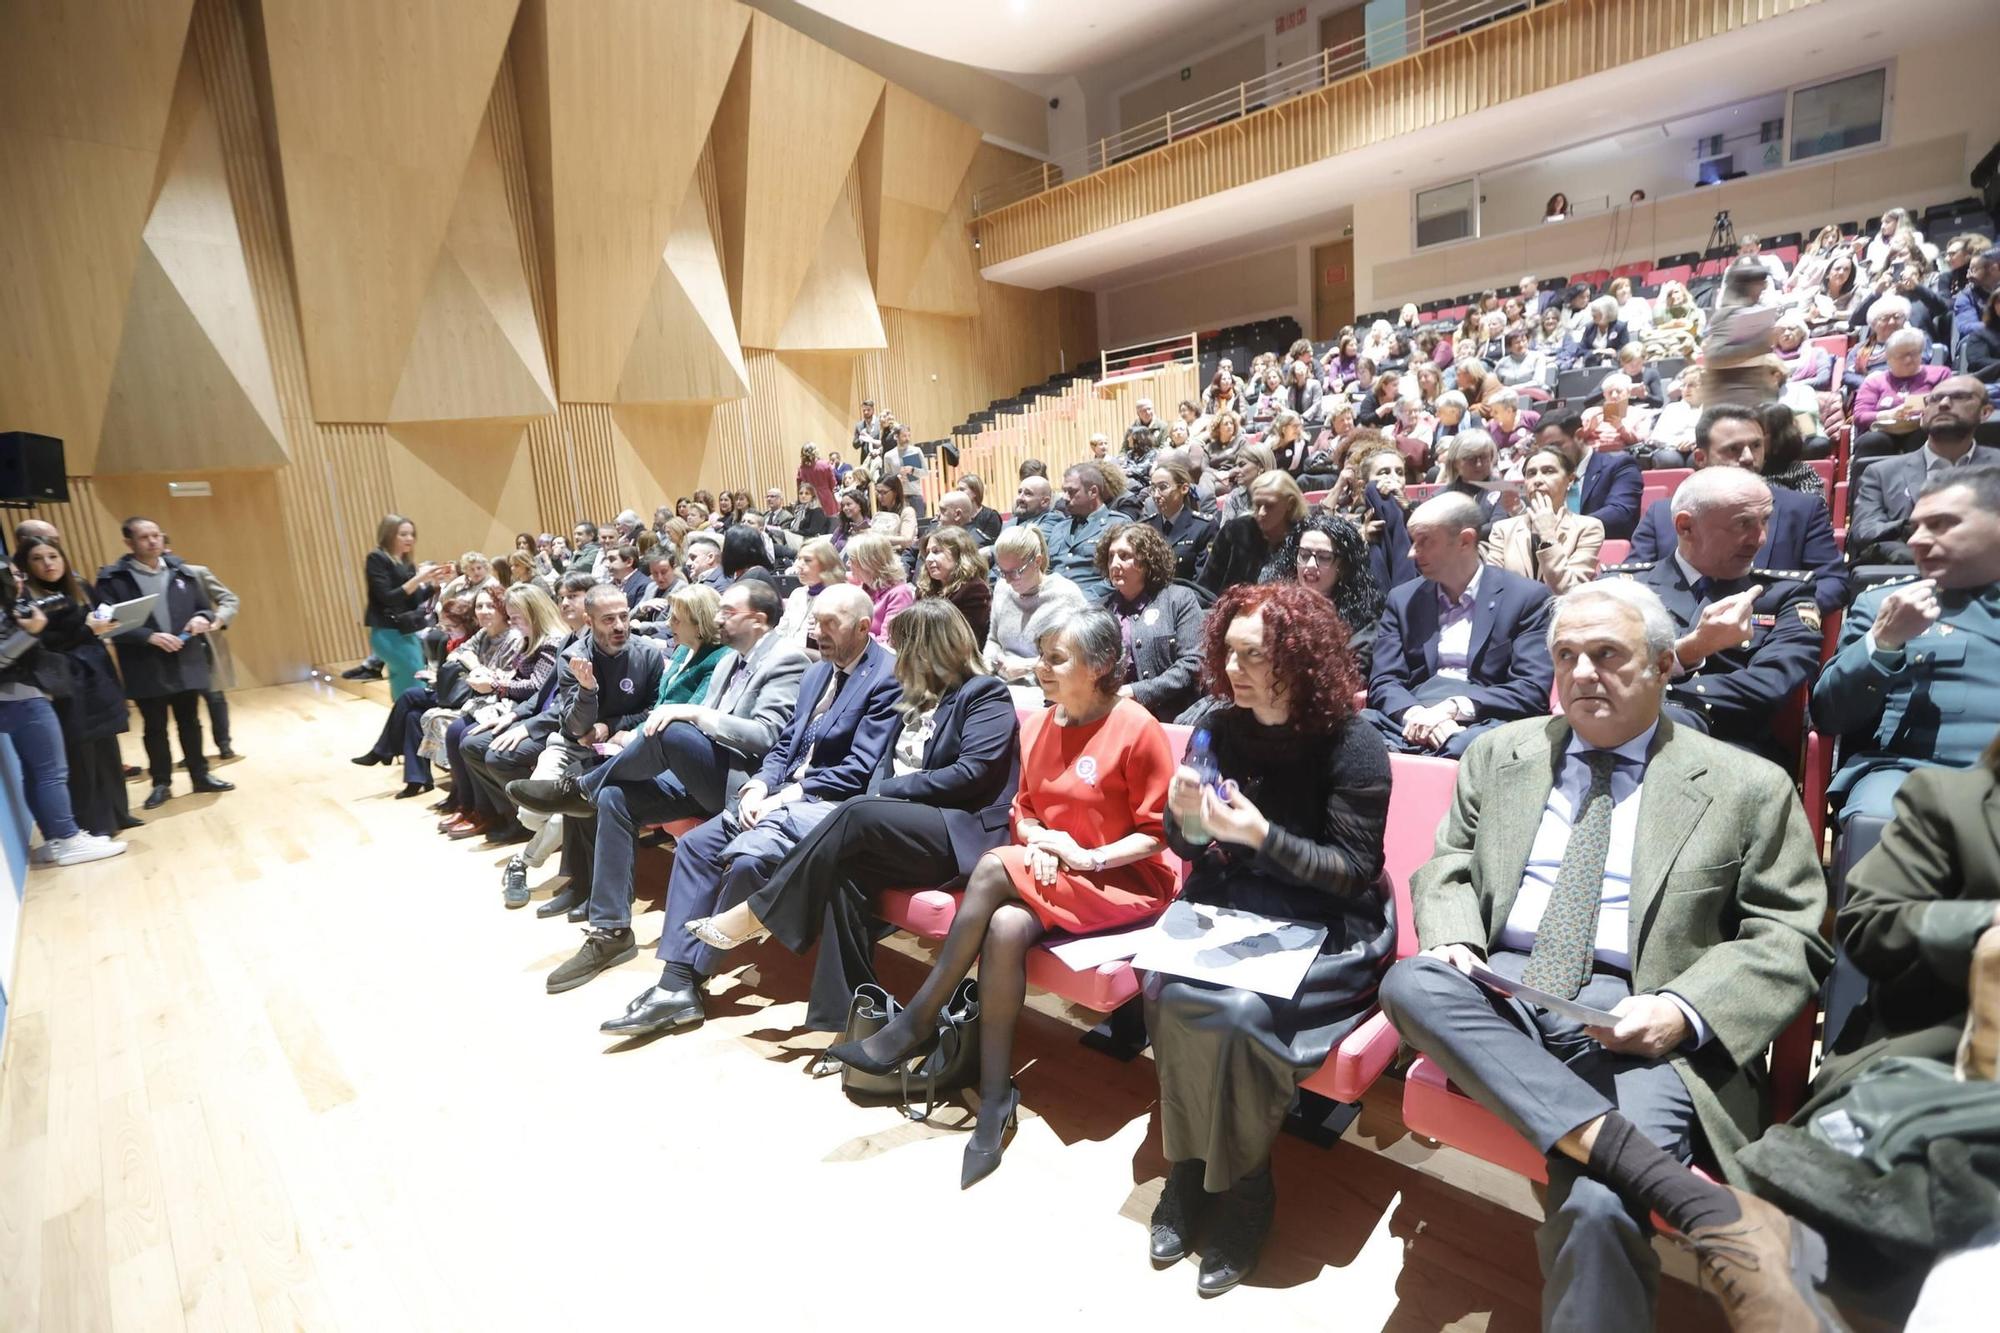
1715,967
1242,549
1885,495
1889,406
843,728
1607,486
1159,620
956,766
1073,536
1909,684
1460,649
1089,857
1546,540
954,569
1293,829
1175,516
1327,555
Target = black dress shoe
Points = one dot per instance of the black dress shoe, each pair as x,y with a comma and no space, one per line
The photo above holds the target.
133,772
1182,1202
1242,1221
362,672
551,796
850,1053
225,752
979,1161
213,784
601,949
130,821
567,900
159,796
658,1010
368,760
414,789
506,835
514,883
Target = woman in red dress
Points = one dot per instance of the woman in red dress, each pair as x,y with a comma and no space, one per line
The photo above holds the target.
1089,855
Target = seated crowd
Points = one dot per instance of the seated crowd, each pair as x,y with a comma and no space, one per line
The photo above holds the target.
984,703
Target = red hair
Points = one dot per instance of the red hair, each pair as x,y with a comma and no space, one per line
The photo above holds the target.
1307,643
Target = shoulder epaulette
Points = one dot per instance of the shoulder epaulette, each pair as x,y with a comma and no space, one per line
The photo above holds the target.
1629,568
1789,575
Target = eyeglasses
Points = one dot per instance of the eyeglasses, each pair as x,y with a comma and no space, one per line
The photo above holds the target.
1956,395
1011,574
1316,557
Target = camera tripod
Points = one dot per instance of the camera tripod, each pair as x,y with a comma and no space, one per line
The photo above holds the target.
1721,234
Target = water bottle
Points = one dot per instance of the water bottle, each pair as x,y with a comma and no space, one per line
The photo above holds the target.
1202,761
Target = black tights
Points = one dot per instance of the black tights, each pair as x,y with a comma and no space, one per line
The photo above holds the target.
994,930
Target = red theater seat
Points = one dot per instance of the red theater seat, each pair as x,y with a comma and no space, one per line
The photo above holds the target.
1613,552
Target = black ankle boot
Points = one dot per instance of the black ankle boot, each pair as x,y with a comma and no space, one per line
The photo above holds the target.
1182,1203
1242,1221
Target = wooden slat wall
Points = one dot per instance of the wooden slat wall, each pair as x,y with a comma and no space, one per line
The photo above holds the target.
1539,49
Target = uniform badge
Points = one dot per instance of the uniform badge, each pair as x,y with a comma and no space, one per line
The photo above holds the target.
1152,616
1764,622
1944,629
1809,616
626,685
1086,770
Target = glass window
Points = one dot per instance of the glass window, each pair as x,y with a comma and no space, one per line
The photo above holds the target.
1840,114
1447,213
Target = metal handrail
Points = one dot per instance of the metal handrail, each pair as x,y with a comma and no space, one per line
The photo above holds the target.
1334,64
1143,358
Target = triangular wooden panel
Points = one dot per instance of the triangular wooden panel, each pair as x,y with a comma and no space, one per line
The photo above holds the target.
786,135
685,349
926,150
905,235
618,97
377,104
175,404
462,365
193,236
88,89
835,309
947,284
477,351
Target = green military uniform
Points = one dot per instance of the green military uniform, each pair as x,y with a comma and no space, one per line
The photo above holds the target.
1737,694
1935,700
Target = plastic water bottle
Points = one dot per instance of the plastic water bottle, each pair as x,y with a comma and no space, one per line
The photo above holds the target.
1202,761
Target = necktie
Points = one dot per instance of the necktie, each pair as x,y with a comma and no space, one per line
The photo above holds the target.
811,737
1701,587
1566,939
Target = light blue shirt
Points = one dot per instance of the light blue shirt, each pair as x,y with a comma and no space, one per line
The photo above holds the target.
1614,938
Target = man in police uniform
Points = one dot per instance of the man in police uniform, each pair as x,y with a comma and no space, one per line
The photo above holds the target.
1748,637
1917,677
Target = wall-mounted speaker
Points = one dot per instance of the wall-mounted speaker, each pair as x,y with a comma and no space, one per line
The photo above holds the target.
31,469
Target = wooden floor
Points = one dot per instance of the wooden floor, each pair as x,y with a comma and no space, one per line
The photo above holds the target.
288,1064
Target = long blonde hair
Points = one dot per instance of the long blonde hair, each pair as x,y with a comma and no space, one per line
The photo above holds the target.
935,654
875,559
545,622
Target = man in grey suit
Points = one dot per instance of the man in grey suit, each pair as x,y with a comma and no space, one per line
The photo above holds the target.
686,761
1885,496
1609,857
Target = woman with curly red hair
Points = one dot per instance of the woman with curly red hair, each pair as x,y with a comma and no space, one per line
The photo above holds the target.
1296,832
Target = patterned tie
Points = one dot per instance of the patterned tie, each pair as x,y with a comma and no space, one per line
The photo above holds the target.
1566,939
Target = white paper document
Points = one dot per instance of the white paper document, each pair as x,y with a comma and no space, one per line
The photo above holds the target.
1230,947
1541,999
1092,951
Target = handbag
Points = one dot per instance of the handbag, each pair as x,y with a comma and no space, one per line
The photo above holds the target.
950,1066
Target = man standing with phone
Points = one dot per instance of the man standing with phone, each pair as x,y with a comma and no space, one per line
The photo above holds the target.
164,659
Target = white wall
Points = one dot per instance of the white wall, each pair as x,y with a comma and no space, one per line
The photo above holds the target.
1244,287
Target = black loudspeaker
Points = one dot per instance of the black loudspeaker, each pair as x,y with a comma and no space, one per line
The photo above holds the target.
31,469
1986,180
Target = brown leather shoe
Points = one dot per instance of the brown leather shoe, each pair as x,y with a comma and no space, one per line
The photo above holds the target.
471,827
1764,1268
1979,1048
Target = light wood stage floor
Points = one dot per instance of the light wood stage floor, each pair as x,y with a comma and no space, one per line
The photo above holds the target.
289,1064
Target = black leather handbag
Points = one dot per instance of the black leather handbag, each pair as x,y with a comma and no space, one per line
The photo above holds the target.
951,1065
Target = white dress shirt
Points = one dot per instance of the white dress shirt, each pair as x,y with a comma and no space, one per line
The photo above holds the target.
1455,628
1614,939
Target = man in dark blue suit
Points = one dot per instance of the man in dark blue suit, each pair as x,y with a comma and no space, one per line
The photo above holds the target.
1607,485
840,736
1461,649
1799,534
1745,638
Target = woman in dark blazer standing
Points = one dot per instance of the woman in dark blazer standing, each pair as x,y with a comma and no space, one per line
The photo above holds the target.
397,591
1187,532
93,714
1161,619
947,803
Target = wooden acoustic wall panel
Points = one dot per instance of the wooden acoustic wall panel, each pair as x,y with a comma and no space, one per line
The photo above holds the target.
947,282
193,387
786,133
663,451
616,101
478,348
377,105
469,484
913,161
835,308
685,348
85,91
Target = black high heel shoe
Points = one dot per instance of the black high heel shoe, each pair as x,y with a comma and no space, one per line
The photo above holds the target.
850,1053
369,760
415,789
981,1162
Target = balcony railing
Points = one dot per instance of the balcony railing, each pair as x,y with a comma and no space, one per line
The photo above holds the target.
1391,42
